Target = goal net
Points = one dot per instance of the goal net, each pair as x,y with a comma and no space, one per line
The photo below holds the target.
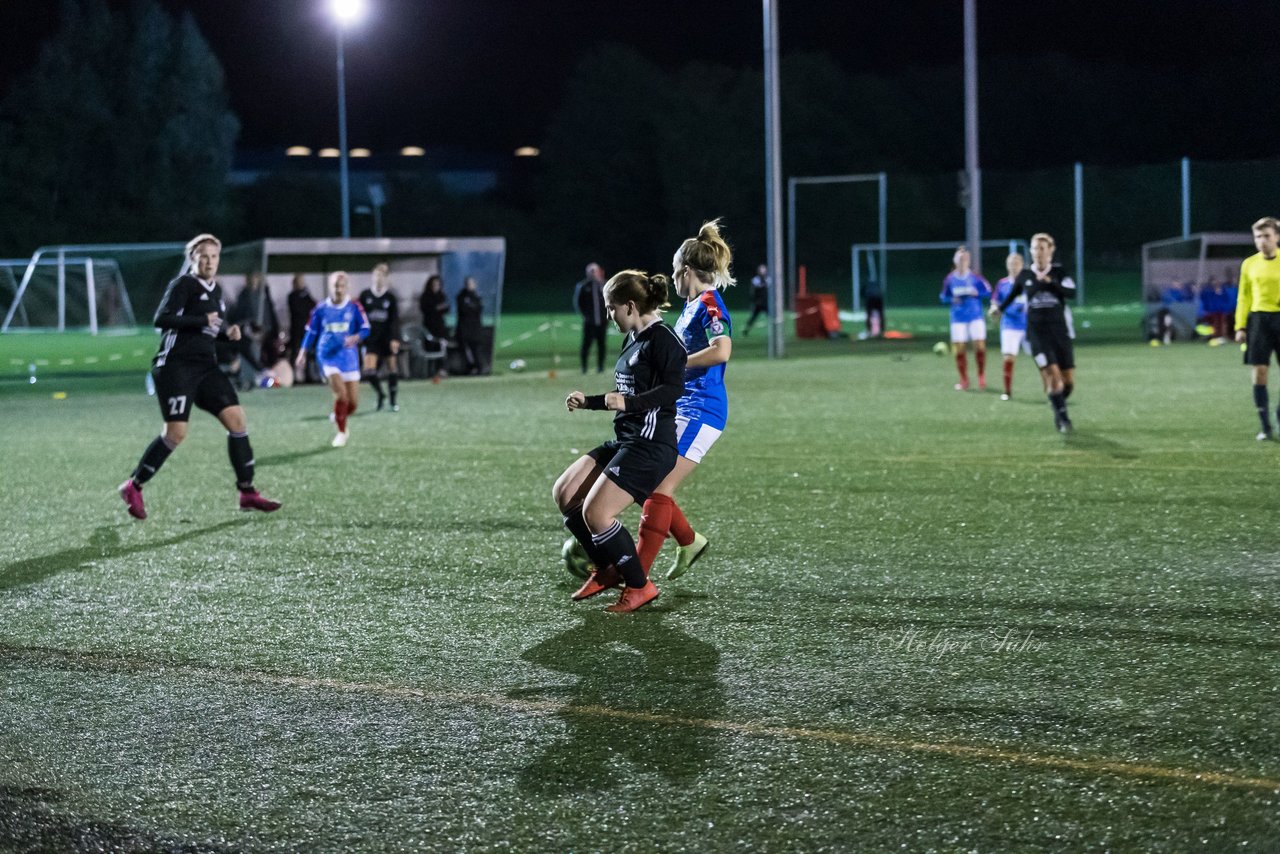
1193,276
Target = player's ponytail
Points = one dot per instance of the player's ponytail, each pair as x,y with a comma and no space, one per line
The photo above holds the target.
707,255
649,293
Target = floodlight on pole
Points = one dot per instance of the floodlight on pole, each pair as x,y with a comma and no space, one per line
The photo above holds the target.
345,13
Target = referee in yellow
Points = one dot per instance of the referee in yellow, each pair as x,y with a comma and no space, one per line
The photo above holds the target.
1258,313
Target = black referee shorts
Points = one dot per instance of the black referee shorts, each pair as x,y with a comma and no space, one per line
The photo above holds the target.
182,385
1262,337
1051,345
379,346
637,467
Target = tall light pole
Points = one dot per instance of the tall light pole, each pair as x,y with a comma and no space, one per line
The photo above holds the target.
973,173
773,180
345,13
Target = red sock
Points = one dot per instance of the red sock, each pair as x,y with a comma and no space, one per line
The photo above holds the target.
655,520
680,528
982,365
1008,377
340,414
962,365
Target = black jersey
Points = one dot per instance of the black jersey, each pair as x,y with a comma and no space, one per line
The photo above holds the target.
383,313
183,321
1047,293
650,374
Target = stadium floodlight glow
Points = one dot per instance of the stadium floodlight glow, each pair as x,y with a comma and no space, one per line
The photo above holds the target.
413,151
297,151
527,151
329,152
361,152
347,12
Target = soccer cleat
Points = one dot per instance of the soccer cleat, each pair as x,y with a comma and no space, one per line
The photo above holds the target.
1264,436
255,500
1065,425
686,555
340,440
633,598
395,407
132,496
597,582
1005,396
964,386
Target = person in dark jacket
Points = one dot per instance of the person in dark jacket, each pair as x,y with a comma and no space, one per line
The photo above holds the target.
470,330
588,300
300,303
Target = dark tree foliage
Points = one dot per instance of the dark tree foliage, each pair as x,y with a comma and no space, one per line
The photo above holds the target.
121,132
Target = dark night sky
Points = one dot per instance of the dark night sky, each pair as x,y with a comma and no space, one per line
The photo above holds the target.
487,74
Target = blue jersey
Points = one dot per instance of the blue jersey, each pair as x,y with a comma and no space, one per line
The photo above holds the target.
965,294
702,321
331,324
1015,317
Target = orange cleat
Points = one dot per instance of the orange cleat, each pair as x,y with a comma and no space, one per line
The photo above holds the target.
633,598
597,582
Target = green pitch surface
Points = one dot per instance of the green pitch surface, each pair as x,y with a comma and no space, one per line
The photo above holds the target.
926,622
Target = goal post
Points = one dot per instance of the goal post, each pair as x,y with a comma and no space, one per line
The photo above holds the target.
918,282
1177,271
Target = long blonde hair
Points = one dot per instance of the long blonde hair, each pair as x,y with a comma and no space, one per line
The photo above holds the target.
707,255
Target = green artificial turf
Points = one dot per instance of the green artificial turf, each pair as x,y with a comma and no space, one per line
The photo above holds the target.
926,622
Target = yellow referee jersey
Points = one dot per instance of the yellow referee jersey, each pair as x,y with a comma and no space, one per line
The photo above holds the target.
1259,287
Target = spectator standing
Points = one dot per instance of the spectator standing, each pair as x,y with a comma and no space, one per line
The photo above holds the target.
255,314
300,303
761,282
588,299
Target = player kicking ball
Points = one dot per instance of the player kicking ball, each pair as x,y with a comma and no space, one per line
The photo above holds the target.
598,486
191,316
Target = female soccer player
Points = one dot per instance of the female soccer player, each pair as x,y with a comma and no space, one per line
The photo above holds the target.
965,290
1047,288
699,269
382,347
186,373
1013,323
649,377
336,328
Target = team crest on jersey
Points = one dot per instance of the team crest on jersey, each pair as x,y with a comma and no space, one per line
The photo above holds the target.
635,357
717,328
204,297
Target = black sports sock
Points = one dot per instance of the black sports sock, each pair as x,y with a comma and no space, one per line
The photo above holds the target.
374,381
577,526
393,385
1059,403
616,544
1066,390
1260,401
241,454
152,458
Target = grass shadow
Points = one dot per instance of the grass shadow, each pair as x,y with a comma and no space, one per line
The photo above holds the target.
104,544
627,668
292,456
1087,440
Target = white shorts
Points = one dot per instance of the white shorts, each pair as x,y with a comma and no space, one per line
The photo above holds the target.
974,330
693,438
347,376
1013,340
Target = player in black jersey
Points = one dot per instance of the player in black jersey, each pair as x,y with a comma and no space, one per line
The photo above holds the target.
1047,287
649,378
382,348
191,317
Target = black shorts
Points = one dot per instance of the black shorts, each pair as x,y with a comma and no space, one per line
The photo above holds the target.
181,385
636,467
1262,337
1051,345
380,346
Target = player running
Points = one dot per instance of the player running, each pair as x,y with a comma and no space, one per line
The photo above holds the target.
649,377
965,290
1013,323
1047,288
700,268
381,353
336,328
191,316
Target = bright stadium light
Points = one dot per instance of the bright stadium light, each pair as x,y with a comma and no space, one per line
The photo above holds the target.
347,12
297,151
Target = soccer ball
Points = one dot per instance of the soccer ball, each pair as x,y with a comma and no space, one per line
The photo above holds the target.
575,558
518,365
940,348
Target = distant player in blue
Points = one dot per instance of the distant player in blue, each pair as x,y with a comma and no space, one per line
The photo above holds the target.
699,269
1013,323
336,328
964,290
